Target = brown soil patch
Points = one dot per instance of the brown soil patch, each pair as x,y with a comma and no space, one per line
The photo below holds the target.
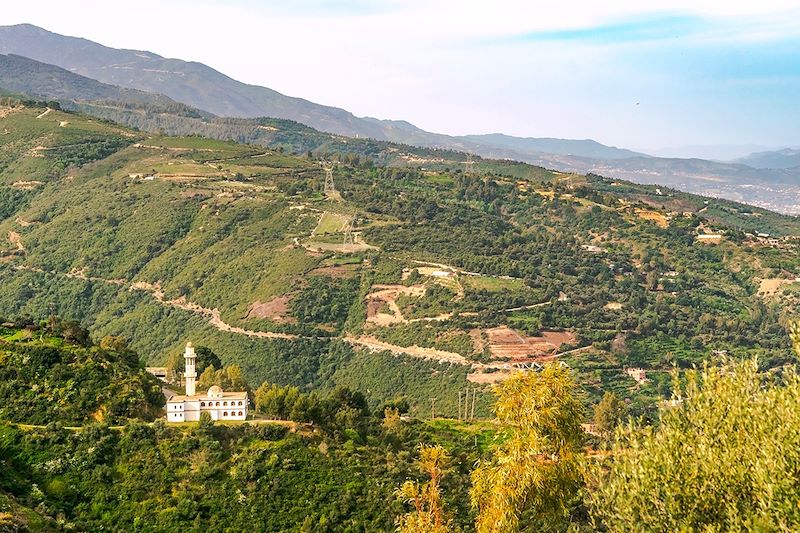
276,309
24,223
16,240
26,185
387,294
504,342
478,343
36,151
194,193
489,378
7,110
771,287
655,216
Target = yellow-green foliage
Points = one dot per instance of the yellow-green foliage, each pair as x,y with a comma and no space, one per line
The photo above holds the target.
534,465
428,515
725,456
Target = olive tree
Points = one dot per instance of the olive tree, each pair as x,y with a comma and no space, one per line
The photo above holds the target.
725,456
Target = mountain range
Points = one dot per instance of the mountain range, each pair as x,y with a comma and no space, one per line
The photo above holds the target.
767,179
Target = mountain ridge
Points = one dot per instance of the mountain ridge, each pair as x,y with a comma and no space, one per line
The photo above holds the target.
772,188
217,93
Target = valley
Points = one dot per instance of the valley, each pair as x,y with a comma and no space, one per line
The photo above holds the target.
225,307
162,238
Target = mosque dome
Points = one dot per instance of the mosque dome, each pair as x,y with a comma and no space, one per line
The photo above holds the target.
215,391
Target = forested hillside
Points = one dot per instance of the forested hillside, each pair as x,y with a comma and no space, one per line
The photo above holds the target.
55,373
418,279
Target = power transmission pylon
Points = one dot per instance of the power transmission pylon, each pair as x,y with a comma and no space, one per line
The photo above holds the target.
330,187
470,164
348,233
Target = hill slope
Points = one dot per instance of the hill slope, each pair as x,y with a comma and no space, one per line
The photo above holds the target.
164,239
200,86
786,158
37,79
57,375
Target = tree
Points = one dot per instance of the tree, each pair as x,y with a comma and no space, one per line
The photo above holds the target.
207,378
428,514
205,358
725,456
794,334
608,413
535,465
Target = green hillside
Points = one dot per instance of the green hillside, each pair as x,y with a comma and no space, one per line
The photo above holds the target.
49,374
447,274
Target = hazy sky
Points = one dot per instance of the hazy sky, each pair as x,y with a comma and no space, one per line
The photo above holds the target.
643,74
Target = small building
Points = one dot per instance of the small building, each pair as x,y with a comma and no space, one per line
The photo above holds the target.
709,238
161,372
638,374
220,405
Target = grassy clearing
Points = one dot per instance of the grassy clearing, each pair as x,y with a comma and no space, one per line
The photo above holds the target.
331,223
482,283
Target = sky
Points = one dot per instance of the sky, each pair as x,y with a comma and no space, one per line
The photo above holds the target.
668,77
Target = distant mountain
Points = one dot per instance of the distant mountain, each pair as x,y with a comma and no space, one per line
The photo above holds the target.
786,158
581,148
774,185
22,75
714,152
203,87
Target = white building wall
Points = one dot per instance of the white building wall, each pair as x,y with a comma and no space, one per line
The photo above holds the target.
189,410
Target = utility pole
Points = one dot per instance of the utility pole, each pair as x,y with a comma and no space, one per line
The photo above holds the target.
433,408
459,406
474,392
470,165
52,318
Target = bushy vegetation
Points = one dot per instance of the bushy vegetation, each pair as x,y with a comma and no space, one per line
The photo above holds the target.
221,233
207,476
723,457
56,374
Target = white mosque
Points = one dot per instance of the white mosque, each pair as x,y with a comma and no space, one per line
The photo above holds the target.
219,404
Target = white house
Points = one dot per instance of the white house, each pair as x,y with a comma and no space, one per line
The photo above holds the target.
220,405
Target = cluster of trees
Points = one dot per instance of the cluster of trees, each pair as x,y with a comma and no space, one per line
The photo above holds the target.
227,378
46,377
325,301
216,476
724,455
342,411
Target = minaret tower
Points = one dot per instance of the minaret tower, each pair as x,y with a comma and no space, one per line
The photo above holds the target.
190,373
